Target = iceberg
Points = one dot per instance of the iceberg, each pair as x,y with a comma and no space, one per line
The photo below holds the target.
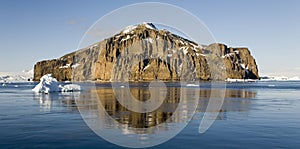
230,80
50,84
70,88
47,84
192,85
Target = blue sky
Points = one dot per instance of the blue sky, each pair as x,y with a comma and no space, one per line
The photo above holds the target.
35,30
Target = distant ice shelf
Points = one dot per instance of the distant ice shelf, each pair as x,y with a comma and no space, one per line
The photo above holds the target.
265,78
240,80
279,78
24,76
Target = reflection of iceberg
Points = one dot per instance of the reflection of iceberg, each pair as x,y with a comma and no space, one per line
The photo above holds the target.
45,101
48,101
45,104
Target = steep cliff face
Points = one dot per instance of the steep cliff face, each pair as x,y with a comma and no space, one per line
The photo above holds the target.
144,53
59,68
239,62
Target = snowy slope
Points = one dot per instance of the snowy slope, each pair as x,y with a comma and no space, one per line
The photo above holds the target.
23,76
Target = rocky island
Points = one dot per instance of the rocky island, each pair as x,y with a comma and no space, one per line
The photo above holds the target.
159,54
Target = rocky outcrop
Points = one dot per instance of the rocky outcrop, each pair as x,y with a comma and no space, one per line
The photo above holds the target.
59,68
144,53
239,62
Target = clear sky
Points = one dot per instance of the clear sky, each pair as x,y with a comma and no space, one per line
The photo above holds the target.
35,30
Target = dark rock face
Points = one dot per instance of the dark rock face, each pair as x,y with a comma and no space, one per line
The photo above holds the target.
143,53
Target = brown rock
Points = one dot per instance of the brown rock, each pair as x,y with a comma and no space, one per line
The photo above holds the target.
145,54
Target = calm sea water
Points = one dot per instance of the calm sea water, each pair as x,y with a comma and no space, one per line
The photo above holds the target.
253,115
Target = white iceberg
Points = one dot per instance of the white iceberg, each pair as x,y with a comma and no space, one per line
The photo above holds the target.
70,88
192,85
49,84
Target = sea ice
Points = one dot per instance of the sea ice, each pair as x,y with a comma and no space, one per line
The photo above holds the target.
70,88
192,85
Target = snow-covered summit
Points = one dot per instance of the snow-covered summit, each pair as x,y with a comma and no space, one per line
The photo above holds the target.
149,25
138,31
130,28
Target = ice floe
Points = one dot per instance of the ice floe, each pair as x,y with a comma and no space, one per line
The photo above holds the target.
240,80
192,85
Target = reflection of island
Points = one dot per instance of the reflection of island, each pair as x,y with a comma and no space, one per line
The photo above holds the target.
234,101
114,115
101,106
135,119
165,113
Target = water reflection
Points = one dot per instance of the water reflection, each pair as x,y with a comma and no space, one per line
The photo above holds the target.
103,104
140,120
235,100
61,100
115,115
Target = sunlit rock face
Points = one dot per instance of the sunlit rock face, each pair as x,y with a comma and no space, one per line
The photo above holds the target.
144,53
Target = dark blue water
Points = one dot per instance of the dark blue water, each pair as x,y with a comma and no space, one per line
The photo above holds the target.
254,115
